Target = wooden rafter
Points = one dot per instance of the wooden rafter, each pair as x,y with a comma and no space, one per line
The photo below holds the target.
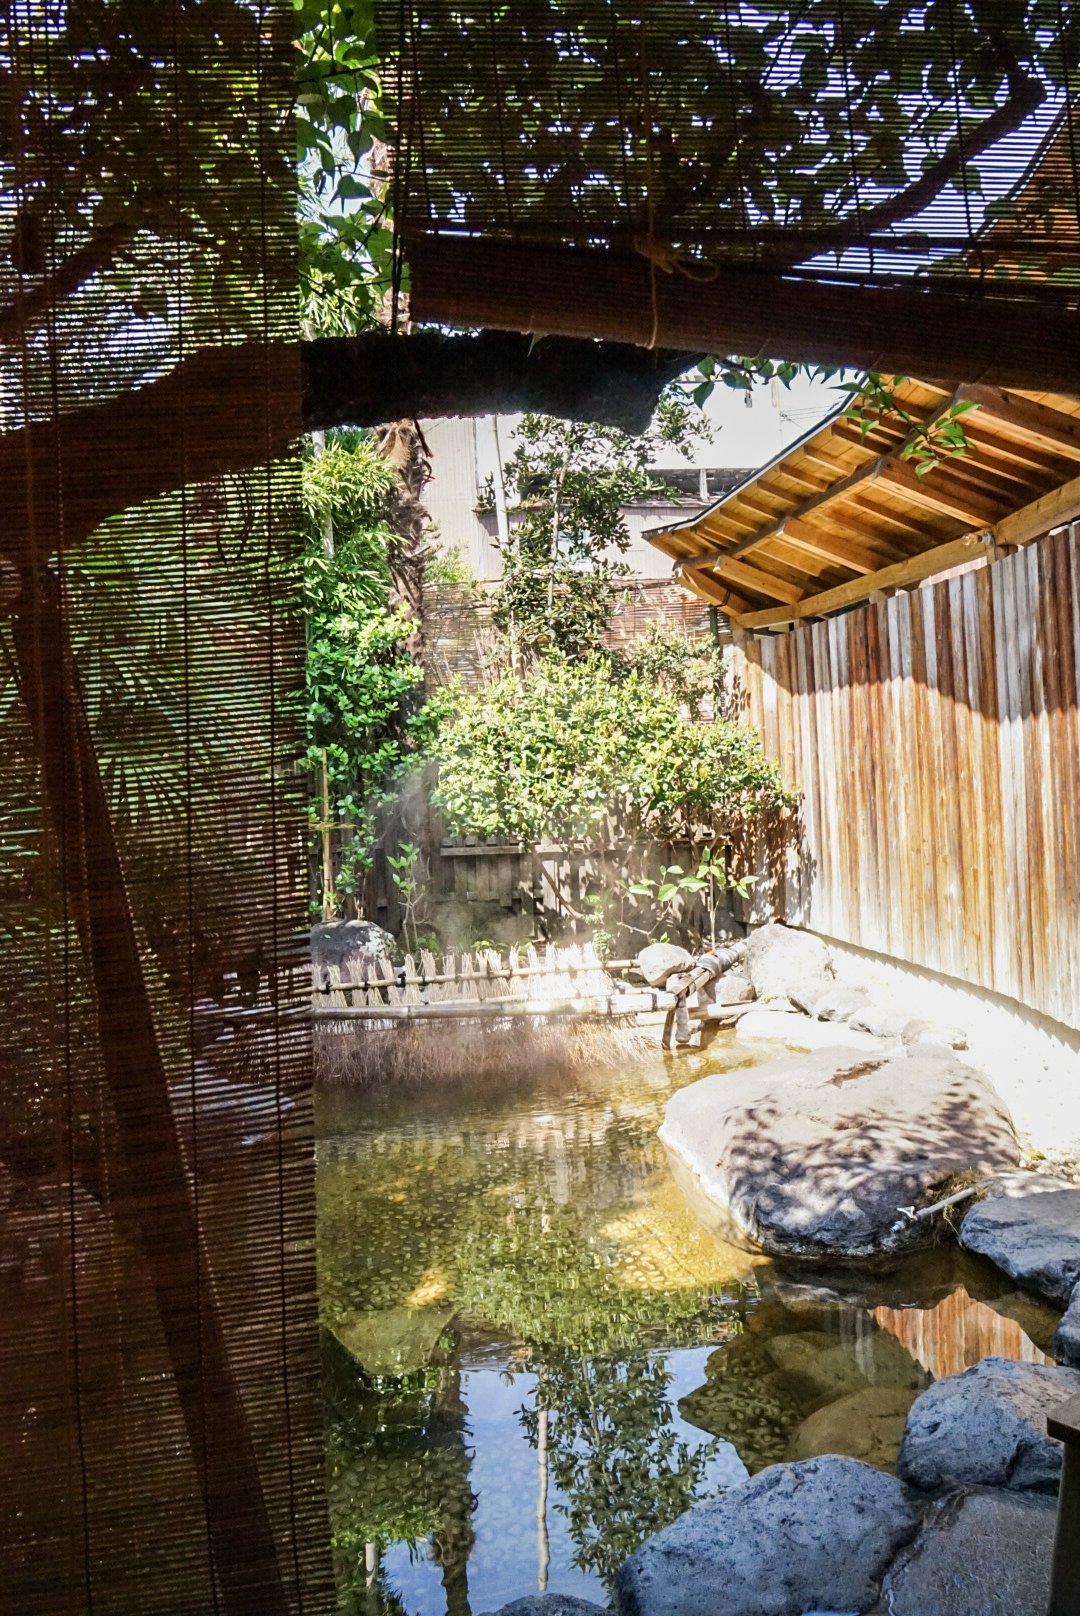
759,583
1020,527
1049,427
898,576
942,491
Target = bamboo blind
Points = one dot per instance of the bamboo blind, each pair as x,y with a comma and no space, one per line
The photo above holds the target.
935,738
845,140
159,1437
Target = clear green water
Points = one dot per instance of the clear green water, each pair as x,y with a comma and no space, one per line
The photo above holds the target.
536,1356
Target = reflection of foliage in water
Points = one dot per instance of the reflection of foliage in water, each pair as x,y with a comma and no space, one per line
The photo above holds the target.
744,1401
548,1221
397,1472
541,1277
622,1469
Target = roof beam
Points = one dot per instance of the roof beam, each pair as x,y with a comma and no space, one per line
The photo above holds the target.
914,570
856,557
861,474
759,583
581,292
1052,428
1020,527
716,594
941,491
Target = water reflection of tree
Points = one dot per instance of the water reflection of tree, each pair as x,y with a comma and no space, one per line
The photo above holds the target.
398,1472
620,1465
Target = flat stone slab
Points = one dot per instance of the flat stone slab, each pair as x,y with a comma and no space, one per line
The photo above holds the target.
984,1554
766,1023
813,1155
816,1536
550,1605
987,1427
1031,1229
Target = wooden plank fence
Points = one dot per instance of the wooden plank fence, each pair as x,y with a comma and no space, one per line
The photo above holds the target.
532,981
935,739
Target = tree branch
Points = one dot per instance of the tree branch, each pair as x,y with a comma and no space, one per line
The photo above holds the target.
363,381
28,309
231,409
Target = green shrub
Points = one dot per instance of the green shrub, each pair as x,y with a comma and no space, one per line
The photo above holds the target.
555,755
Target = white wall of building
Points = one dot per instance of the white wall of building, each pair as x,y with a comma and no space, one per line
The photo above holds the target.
748,429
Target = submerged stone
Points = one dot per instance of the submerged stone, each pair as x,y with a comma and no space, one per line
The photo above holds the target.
815,1536
987,1427
815,1155
393,1341
866,1425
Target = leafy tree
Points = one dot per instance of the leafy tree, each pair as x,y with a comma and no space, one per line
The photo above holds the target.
569,483
575,745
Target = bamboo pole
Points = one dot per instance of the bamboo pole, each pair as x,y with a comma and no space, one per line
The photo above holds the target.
931,332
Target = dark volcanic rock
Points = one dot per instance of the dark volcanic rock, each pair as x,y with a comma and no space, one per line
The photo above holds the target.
1033,1234
813,1155
1067,1338
816,1536
987,1427
985,1554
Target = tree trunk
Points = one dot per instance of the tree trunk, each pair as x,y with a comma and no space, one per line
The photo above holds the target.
402,444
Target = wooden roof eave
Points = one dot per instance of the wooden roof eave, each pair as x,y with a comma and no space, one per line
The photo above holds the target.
824,533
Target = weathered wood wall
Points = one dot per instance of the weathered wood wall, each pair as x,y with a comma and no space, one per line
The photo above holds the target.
935,739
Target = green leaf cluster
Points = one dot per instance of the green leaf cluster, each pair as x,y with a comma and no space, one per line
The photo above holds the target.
365,715
580,750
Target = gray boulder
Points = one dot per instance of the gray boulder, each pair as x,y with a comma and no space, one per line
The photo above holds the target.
658,961
921,1033
1067,1337
987,1427
983,1554
733,988
1030,1227
813,1155
840,1003
348,945
550,1605
815,1536
883,1020
787,964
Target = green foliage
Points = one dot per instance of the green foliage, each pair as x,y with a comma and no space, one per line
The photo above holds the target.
690,670
449,569
568,484
365,720
874,399
346,233
663,896
555,755
828,121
